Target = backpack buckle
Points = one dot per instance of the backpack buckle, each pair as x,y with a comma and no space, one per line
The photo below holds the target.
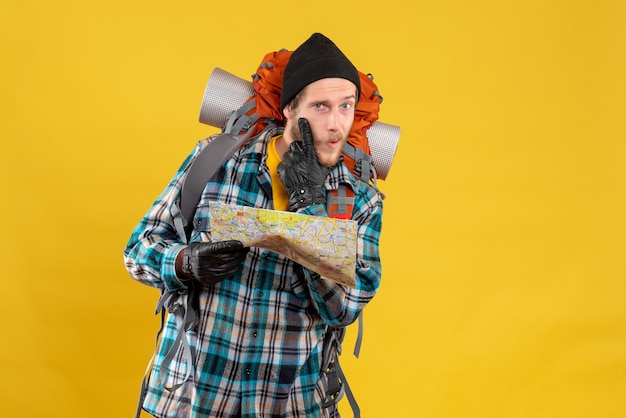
335,388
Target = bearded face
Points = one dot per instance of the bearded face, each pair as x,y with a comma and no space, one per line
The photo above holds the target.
328,105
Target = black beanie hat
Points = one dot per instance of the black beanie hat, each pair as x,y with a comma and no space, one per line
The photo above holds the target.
317,58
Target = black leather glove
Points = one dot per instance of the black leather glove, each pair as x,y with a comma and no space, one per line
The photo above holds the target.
212,262
301,173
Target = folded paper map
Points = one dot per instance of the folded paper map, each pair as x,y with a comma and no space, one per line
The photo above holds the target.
324,245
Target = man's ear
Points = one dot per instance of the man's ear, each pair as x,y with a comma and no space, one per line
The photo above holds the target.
287,111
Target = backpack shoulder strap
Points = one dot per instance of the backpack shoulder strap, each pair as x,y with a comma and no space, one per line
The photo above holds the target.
206,165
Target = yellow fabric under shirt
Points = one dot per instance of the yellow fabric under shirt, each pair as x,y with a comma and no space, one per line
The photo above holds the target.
279,194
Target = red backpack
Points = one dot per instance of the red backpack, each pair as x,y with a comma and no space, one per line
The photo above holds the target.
263,107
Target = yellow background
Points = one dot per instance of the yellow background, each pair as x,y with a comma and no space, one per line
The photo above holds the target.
504,289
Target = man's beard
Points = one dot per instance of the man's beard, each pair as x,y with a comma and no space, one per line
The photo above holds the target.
295,134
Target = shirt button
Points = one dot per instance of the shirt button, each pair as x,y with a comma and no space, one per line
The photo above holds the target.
254,334
248,371
260,294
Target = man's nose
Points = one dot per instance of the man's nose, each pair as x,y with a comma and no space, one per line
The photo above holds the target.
333,120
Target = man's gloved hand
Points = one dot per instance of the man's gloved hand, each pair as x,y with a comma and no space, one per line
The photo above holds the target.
301,173
212,262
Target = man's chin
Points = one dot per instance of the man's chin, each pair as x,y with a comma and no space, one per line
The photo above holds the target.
328,161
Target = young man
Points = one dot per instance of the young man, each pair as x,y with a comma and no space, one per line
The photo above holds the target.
262,318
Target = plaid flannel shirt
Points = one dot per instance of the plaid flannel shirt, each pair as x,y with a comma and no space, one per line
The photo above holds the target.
258,346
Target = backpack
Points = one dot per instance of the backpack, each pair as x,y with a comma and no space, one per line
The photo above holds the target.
262,110
253,110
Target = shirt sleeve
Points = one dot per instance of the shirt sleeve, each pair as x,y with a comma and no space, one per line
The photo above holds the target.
151,251
337,304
